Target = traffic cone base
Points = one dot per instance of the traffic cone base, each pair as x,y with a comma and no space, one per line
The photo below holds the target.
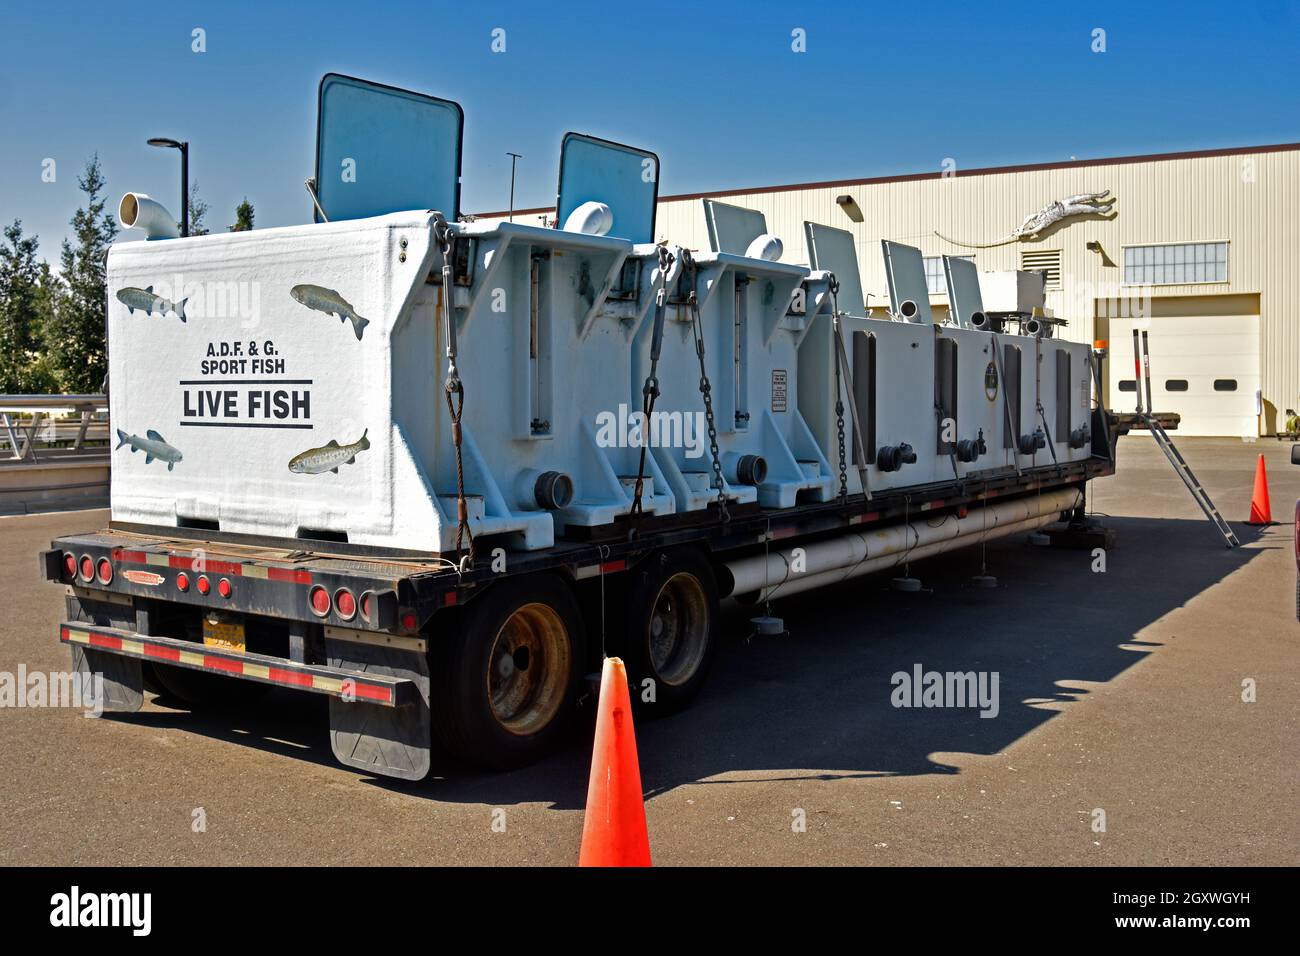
613,829
1260,510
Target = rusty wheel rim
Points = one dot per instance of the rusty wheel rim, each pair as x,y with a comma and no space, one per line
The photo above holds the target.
528,669
678,629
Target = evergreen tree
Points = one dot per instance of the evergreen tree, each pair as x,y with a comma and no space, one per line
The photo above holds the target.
243,217
21,320
75,334
198,211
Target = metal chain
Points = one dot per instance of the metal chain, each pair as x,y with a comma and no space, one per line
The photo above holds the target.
650,390
834,286
706,390
454,388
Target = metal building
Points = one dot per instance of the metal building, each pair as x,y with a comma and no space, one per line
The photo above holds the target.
1202,248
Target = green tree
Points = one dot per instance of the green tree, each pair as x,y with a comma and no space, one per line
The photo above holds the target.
198,211
243,217
75,333
21,317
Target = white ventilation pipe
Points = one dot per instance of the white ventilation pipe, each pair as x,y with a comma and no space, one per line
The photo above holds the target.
766,246
591,219
138,211
863,552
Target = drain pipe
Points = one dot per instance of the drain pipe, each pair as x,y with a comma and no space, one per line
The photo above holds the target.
864,552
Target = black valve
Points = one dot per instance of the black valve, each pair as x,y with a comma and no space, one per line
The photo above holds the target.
894,457
1080,436
1028,444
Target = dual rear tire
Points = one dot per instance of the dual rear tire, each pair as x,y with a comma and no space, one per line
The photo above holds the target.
509,665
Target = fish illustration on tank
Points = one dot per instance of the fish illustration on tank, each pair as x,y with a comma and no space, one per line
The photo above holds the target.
330,302
328,457
146,301
153,445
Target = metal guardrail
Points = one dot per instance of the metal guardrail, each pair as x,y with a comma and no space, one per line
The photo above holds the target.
22,437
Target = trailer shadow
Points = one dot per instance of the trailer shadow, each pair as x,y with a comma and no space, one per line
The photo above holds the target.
816,704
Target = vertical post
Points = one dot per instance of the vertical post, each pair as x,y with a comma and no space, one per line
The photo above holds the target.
514,158
1137,370
185,189
1146,367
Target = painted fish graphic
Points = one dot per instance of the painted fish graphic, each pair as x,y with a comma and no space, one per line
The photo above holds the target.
153,445
331,303
316,461
134,298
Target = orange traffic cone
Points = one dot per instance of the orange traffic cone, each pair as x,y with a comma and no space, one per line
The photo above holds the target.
614,831
1260,512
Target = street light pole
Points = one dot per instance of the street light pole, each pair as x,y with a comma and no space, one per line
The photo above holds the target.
163,142
514,158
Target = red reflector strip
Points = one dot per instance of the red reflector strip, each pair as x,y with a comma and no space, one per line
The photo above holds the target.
162,653
296,678
135,557
610,566
288,574
103,640
370,692
449,599
863,518
931,505
223,567
223,664
788,531
185,564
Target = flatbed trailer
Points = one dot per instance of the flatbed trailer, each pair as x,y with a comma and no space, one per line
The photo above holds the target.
414,648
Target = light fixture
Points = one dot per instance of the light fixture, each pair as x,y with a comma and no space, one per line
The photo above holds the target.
164,143
850,207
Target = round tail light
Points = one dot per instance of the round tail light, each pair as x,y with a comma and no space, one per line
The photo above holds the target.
319,599
183,581
104,570
409,622
70,564
204,585
345,604
224,588
367,605
87,568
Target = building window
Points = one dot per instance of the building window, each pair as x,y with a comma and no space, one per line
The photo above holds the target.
934,278
1176,385
1128,385
1225,384
1176,264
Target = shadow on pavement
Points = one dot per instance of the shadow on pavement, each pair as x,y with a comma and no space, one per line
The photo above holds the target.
816,704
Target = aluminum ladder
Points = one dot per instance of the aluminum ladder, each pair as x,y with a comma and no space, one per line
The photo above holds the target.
1142,370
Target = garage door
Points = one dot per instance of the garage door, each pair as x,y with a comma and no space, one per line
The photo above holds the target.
1204,367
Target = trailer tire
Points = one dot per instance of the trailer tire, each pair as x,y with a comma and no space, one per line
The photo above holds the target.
506,678
669,630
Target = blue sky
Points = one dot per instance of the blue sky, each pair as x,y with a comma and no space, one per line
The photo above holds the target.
714,88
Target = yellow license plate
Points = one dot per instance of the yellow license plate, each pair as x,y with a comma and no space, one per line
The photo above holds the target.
226,635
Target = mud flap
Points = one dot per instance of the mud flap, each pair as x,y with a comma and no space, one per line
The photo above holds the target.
121,678
389,741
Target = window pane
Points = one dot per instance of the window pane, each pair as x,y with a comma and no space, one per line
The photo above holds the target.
1176,385
1225,384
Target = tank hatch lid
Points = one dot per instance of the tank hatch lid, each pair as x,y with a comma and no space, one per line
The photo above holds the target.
380,149
624,178
732,228
833,250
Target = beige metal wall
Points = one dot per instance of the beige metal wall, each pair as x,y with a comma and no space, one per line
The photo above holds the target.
1250,200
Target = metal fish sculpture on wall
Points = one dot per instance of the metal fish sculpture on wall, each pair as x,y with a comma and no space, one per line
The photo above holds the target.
316,461
1083,204
153,445
145,300
331,303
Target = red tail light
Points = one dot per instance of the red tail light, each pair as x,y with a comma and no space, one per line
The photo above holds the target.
204,585
183,581
87,568
104,570
224,588
319,599
409,621
345,604
70,564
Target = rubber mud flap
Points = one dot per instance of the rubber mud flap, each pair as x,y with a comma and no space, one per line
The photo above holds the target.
389,741
122,679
